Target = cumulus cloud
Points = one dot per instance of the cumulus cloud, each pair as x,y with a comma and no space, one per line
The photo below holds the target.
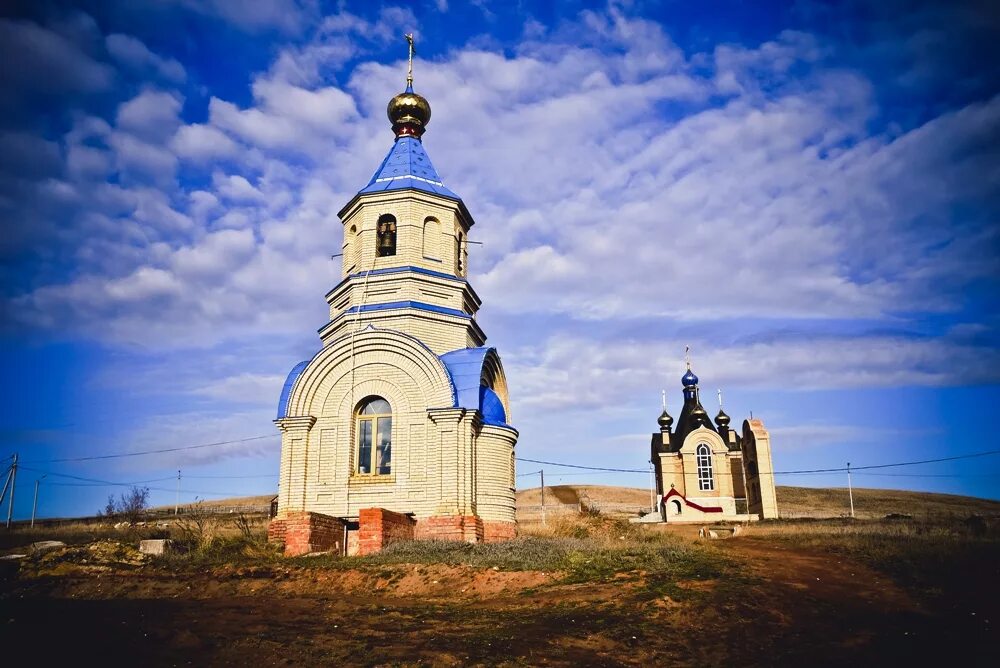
286,16
43,60
131,53
616,179
151,115
202,143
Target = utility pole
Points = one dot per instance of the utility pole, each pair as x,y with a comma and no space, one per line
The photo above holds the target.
6,484
542,473
13,483
34,504
177,497
850,489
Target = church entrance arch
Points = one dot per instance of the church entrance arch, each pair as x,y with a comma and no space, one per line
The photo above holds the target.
675,507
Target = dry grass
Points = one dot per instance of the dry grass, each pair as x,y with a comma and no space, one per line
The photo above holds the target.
877,503
597,494
939,556
793,502
263,500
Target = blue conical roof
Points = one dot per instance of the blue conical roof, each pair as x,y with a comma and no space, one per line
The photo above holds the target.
407,166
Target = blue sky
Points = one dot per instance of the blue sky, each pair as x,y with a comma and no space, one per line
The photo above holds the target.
805,193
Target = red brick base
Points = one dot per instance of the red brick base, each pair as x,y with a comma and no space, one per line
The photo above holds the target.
377,527
466,528
305,532
495,532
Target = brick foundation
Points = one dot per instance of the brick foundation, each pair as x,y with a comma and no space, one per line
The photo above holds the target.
466,528
304,532
495,532
378,527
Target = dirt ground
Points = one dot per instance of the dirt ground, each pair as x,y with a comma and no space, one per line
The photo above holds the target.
795,606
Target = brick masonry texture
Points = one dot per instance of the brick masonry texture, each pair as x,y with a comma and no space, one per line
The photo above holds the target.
305,532
495,532
468,528
378,527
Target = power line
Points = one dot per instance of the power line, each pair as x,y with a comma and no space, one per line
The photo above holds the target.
933,475
93,480
161,489
801,472
578,466
886,466
151,452
231,477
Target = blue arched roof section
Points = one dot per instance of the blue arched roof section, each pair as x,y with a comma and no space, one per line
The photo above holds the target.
286,389
491,407
465,367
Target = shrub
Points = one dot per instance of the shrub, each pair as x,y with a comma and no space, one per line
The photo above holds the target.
130,506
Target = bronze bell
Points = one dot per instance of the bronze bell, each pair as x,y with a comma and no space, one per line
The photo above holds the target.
387,239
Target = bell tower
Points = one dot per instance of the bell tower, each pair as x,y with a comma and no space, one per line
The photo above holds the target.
405,245
399,426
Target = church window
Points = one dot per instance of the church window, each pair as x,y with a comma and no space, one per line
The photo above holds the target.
353,249
374,429
386,235
458,255
706,480
432,238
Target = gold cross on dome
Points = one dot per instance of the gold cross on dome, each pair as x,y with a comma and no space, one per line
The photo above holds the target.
409,71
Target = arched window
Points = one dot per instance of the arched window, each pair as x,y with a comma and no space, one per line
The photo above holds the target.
675,507
432,238
353,250
386,235
706,481
458,255
374,428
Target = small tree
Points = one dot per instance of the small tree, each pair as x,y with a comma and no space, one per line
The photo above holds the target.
130,506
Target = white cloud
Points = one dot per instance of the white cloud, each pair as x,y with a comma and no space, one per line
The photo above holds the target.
39,59
130,52
252,388
572,372
203,143
151,115
236,188
287,16
615,181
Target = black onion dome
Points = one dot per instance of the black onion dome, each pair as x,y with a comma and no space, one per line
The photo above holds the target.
722,419
665,420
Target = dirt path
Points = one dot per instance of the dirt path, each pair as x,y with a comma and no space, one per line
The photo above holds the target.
792,607
823,608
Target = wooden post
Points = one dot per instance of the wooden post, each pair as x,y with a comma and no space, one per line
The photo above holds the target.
542,473
13,482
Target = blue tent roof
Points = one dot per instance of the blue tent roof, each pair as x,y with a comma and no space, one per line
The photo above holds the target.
407,166
465,366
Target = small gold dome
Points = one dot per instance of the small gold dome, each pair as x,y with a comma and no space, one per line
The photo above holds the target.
409,113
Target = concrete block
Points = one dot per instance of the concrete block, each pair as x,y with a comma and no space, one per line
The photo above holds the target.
44,546
156,547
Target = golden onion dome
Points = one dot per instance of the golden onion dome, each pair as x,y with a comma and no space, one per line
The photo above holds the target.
409,113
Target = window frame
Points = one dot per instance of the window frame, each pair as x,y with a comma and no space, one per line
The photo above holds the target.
705,468
374,422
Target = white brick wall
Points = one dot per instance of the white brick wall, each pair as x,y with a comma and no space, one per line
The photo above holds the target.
444,461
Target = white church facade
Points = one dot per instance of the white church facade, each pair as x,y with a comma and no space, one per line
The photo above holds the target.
707,472
399,427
